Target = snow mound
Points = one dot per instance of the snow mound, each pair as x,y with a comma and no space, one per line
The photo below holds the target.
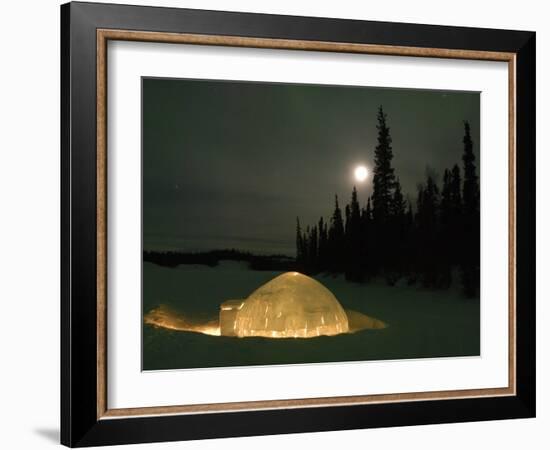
290,305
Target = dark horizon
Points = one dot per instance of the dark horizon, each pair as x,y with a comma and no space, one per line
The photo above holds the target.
232,164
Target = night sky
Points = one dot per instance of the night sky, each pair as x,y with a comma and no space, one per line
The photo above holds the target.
231,164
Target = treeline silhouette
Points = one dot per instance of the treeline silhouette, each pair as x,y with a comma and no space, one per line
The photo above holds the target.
213,258
388,237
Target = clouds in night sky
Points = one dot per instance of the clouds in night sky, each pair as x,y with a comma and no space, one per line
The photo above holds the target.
231,164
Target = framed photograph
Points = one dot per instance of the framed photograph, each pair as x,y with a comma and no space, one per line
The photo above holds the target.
276,224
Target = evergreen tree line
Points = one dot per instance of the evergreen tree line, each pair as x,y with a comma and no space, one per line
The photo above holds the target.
387,237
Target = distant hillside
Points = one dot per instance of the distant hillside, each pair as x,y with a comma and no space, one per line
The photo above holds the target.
213,258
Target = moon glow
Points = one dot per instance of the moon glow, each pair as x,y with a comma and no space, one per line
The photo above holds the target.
361,173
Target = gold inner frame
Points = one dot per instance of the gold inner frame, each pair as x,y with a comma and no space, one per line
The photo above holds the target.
104,35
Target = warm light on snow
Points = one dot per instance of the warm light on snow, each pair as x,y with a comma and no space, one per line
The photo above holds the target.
361,173
164,317
291,305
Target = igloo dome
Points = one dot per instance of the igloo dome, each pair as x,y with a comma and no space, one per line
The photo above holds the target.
290,305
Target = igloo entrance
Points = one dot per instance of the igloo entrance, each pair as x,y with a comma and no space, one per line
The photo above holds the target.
290,305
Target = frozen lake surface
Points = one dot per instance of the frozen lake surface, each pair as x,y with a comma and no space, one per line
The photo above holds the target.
421,323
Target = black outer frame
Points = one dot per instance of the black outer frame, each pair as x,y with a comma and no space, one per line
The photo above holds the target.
79,423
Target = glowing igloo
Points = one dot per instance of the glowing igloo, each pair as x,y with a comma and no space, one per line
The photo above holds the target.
290,305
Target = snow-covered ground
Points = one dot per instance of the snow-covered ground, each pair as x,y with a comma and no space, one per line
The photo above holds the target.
422,323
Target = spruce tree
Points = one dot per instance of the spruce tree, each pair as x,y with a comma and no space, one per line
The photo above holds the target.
336,238
408,256
353,239
323,244
446,198
368,211
445,235
456,197
355,209
313,250
367,239
347,215
305,241
382,195
456,229
354,224
397,206
384,177
428,256
337,223
470,189
470,218
299,243
396,233
409,215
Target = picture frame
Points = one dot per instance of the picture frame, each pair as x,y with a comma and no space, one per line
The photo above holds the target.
86,418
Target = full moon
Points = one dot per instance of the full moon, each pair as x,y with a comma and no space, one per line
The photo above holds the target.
361,173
